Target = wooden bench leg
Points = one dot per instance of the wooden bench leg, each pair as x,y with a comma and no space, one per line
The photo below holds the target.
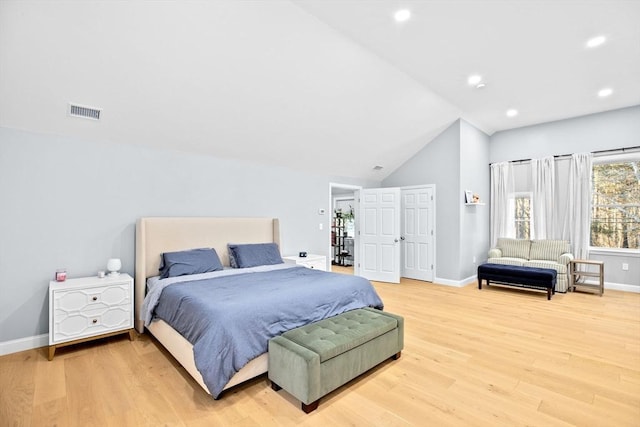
480,283
306,408
310,407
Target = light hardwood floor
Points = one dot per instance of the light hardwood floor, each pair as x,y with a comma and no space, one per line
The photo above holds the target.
490,357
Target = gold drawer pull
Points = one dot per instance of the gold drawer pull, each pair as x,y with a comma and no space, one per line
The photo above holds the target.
94,321
95,298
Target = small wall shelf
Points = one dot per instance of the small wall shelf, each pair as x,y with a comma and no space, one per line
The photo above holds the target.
471,199
475,204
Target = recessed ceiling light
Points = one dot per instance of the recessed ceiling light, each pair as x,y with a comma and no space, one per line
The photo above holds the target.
402,15
603,93
480,85
596,41
474,79
378,168
512,112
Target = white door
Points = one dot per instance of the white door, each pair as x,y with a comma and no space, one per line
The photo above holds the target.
417,236
379,256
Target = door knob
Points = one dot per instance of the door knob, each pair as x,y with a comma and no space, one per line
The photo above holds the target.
401,237
395,240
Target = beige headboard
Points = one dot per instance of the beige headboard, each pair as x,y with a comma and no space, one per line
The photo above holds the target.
155,236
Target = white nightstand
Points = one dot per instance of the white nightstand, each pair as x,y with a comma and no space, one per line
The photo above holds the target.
319,262
87,308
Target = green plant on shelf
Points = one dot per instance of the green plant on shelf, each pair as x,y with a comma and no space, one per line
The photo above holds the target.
348,216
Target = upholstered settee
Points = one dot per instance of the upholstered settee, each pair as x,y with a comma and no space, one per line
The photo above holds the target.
554,254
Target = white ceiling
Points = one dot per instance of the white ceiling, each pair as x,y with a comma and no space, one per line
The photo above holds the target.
333,87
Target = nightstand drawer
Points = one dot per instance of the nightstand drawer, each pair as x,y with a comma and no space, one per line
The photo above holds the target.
92,298
318,262
320,265
69,326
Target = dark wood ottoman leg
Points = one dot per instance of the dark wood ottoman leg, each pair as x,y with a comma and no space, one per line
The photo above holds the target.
397,355
310,407
275,386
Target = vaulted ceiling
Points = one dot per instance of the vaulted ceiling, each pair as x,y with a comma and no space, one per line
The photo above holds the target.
333,87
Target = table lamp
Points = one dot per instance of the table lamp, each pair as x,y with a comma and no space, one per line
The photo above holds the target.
114,265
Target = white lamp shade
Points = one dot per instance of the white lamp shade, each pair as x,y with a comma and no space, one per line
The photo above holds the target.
114,265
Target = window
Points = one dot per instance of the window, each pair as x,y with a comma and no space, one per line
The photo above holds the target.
615,219
522,215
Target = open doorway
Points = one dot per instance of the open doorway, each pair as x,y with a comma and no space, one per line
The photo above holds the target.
343,235
401,242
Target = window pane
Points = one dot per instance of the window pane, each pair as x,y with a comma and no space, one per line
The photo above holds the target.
615,221
522,217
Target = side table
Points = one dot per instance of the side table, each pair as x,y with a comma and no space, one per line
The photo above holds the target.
580,267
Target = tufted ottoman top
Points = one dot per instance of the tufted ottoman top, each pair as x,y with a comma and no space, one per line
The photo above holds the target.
517,274
339,334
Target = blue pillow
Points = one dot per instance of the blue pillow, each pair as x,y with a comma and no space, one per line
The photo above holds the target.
193,261
253,254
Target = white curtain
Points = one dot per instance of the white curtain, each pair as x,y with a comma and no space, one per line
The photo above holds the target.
502,224
577,221
543,208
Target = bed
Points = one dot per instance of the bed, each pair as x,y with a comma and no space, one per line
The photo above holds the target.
155,236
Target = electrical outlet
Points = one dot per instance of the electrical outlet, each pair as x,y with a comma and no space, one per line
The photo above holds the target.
625,266
474,260
320,226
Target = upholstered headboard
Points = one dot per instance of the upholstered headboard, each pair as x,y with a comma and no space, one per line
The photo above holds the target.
155,236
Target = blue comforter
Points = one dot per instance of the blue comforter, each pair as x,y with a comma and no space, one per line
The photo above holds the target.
229,320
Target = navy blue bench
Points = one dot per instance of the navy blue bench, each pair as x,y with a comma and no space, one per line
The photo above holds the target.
525,277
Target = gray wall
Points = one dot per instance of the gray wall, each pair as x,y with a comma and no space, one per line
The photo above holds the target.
604,131
439,163
458,159
73,203
455,161
474,220
594,132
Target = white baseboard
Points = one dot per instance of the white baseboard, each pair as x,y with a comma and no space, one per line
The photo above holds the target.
617,286
622,287
472,279
456,283
22,344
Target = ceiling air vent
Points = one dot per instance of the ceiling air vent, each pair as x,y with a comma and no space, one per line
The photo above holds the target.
85,112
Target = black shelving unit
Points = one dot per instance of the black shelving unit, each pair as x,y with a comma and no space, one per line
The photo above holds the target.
341,255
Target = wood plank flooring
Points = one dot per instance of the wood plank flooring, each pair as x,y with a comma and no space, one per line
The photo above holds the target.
490,357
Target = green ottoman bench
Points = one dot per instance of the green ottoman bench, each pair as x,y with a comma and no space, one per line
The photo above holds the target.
315,359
